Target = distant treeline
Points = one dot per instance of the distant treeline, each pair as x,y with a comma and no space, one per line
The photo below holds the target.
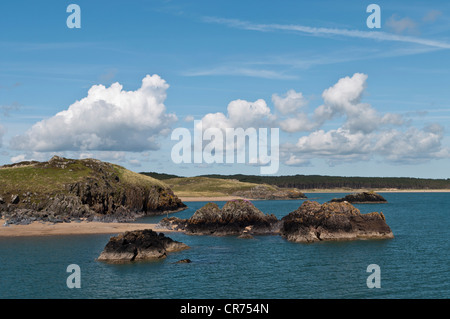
327,182
160,176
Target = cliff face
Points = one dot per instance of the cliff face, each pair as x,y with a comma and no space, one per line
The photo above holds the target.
332,221
66,189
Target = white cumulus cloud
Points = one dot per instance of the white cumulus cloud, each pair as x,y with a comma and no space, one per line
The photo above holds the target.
364,133
107,119
240,114
292,102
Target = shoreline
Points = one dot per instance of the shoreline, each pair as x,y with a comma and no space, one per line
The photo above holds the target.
74,228
336,190
38,228
377,190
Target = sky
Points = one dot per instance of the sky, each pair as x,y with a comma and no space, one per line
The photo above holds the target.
347,99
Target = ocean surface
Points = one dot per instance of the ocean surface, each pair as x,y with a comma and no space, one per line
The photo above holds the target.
415,264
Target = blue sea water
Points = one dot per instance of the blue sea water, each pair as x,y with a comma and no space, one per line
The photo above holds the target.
415,264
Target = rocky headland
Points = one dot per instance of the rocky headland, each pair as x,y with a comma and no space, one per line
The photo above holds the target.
139,245
361,198
237,217
64,190
313,222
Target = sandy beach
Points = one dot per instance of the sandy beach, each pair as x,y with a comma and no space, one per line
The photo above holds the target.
208,198
74,228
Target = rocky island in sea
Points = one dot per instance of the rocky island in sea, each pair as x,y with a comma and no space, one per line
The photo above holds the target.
139,245
236,217
313,222
64,190
361,198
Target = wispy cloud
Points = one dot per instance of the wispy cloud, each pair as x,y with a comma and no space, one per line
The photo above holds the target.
242,71
318,31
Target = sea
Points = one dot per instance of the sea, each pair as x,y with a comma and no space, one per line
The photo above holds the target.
413,265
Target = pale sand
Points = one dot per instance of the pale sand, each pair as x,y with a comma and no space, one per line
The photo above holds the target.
73,228
208,198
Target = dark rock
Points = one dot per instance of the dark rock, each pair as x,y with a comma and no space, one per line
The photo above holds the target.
183,261
361,198
15,199
139,245
232,219
332,221
246,235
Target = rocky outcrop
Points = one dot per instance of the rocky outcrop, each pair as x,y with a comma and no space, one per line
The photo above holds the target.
313,222
271,192
237,217
139,245
66,189
361,198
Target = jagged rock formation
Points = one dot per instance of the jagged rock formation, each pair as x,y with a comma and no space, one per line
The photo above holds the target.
332,221
237,217
139,245
362,198
270,193
67,189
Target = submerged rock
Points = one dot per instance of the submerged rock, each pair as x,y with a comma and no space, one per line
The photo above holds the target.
333,221
232,219
361,198
139,245
184,261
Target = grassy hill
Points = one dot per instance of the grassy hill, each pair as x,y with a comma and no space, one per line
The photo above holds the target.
318,182
207,187
65,187
216,187
52,177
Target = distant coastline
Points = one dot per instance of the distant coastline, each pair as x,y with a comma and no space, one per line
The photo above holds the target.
334,190
85,227
378,190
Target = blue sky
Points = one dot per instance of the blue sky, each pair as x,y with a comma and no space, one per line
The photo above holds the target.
362,102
